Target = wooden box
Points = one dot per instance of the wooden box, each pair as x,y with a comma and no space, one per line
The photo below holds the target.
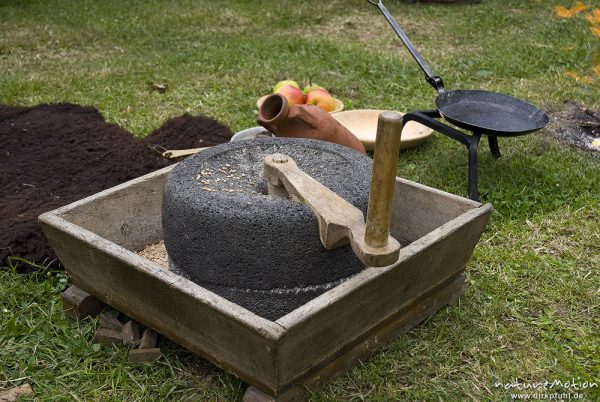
96,239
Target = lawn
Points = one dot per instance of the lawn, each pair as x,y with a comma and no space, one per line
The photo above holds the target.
530,312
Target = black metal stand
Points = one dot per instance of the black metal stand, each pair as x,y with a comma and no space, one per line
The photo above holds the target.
428,118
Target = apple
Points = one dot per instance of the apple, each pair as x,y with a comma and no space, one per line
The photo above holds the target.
312,86
322,99
284,83
293,94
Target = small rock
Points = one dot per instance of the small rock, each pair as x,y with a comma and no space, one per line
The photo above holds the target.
13,394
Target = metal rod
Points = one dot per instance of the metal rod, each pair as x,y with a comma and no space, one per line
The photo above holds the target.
471,142
473,191
427,118
383,179
494,148
434,80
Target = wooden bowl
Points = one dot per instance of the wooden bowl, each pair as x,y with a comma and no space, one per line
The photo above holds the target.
251,133
363,124
339,105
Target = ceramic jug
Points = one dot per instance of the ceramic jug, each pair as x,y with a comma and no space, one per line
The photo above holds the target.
304,121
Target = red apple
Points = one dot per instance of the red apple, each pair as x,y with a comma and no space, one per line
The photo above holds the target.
293,95
322,99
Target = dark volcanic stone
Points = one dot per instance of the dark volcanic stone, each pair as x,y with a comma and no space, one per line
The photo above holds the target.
225,233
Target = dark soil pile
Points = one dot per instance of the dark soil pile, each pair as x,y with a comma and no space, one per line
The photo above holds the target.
576,125
52,155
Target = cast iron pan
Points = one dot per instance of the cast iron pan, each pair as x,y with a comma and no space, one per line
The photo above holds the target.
478,111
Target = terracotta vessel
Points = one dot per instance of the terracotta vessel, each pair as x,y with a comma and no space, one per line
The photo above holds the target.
304,121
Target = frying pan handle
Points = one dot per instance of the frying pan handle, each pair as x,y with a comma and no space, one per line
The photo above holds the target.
433,80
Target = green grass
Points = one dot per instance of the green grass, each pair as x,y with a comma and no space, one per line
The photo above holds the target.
530,310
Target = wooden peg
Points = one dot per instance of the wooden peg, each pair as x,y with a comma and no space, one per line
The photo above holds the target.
143,355
339,221
149,338
108,336
130,334
110,321
383,179
78,304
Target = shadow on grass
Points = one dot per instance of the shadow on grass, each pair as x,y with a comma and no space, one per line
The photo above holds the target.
533,176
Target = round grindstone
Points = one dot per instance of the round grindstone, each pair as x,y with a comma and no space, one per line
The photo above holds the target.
223,231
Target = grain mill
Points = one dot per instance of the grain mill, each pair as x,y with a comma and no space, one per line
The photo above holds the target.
336,289
270,231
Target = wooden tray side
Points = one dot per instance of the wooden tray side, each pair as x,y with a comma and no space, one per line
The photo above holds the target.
405,319
129,214
419,209
317,331
220,331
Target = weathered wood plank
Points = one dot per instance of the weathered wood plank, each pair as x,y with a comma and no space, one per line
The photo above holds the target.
419,209
205,323
322,327
128,214
108,337
405,319
149,338
130,334
408,317
110,321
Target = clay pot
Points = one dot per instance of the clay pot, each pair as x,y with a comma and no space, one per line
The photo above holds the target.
304,121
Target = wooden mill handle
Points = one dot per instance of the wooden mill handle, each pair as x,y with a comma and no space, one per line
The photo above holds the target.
383,178
178,153
339,221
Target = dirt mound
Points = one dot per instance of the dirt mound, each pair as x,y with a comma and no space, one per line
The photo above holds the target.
56,154
188,131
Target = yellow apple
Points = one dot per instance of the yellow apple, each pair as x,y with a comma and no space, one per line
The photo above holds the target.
284,83
312,86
